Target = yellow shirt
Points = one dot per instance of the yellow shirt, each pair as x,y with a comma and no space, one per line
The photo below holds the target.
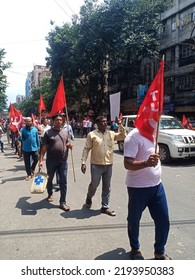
101,145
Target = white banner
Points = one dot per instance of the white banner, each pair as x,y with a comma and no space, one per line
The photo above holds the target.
115,100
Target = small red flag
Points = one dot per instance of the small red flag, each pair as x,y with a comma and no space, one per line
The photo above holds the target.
59,102
184,120
16,118
151,107
41,104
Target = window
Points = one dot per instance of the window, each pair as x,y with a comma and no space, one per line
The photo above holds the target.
186,82
185,18
173,24
193,16
173,54
187,50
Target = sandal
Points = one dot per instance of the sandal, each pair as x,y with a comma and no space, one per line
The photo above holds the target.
50,198
136,255
163,257
108,212
64,207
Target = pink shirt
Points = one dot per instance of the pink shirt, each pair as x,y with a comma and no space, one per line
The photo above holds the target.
140,148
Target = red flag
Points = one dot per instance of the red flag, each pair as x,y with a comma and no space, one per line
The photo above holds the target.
184,121
152,106
120,116
16,118
33,117
41,104
59,102
35,120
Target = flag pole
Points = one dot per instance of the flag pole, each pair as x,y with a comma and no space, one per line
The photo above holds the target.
40,117
39,108
160,107
66,110
70,142
157,133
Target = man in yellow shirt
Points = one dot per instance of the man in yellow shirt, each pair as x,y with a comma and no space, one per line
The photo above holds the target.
101,144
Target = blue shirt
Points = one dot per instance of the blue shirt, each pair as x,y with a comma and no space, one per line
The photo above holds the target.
30,139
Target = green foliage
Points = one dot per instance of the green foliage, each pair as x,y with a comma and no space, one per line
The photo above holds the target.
3,80
118,34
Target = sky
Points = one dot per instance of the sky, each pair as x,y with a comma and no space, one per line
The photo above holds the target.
24,26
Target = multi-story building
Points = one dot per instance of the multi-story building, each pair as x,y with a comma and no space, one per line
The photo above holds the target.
19,98
28,84
178,46
39,73
33,79
177,43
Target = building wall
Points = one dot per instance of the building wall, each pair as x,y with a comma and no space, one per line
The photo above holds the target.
178,44
19,98
33,78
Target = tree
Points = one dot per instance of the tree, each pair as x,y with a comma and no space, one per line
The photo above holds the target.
3,80
114,36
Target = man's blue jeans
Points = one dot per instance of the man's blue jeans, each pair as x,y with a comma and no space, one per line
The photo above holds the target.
98,172
155,199
62,168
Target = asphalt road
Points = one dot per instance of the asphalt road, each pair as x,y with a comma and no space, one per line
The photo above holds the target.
33,229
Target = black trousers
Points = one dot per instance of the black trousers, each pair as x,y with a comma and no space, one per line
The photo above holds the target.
30,161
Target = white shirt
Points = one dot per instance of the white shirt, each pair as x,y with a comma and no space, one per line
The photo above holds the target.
1,132
140,148
44,129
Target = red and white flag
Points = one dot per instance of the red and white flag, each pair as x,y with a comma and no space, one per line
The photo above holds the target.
152,106
59,102
16,118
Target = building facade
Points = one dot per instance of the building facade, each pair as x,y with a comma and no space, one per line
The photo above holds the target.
177,44
177,39
34,78
19,98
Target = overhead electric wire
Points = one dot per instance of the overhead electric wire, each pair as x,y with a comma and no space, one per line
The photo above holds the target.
62,9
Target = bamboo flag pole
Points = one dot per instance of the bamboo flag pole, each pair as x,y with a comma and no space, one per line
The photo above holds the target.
161,99
157,134
68,128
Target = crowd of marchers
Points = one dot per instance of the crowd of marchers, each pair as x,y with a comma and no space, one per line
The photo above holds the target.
54,139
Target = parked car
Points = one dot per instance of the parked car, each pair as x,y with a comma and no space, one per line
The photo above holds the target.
174,140
193,124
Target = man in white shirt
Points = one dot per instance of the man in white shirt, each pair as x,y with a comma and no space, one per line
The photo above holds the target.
44,127
145,189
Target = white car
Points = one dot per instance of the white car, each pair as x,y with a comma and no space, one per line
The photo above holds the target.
174,140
